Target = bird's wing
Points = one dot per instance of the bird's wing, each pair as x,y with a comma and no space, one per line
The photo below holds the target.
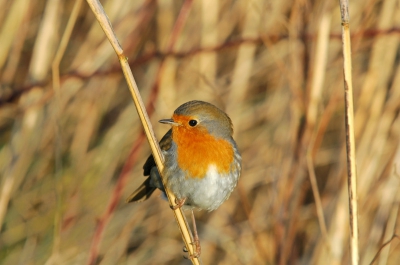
146,189
142,193
165,145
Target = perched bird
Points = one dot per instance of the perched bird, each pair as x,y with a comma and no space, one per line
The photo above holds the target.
202,162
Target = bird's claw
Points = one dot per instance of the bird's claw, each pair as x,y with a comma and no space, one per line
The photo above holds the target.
179,203
197,250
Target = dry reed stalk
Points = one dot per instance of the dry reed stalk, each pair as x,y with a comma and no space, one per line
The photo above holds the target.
382,247
6,191
245,57
10,27
321,55
391,223
114,251
165,77
166,72
393,183
158,157
115,197
349,125
11,68
209,38
44,48
18,165
372,100
387,193
99,131
20,151
121,183
57,116
294,190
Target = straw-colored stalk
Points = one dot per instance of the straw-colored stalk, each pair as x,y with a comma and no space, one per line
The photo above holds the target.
315,95
349,126
155,148
58,164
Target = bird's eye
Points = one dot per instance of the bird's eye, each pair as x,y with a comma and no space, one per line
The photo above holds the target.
192,123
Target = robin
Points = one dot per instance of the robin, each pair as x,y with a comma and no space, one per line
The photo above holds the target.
202,161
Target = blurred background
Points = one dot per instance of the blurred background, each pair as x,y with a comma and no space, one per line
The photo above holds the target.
72,147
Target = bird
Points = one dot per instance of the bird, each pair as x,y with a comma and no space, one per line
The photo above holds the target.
202,161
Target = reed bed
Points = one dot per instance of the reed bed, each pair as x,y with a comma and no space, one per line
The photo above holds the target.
72,146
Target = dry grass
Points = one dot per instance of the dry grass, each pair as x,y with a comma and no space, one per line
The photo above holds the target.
275,67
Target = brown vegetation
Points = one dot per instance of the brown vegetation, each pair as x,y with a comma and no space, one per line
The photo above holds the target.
71,149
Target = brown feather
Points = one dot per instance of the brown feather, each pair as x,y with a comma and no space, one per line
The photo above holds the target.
142,193
145,190
165,144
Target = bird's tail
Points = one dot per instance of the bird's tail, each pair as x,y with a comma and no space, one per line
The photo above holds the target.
142,193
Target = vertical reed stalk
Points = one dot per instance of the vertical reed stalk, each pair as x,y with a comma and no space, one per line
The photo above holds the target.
58,145
350,141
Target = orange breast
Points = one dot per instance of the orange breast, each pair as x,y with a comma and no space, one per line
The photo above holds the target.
197,150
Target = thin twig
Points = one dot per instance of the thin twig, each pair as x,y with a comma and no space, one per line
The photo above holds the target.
349,124
155,148
384,245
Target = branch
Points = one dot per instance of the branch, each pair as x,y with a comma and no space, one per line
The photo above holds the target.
155,148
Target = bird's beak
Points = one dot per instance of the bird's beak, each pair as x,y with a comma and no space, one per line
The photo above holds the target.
169,121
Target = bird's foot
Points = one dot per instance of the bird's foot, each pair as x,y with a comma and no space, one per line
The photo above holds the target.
197,249
179,203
